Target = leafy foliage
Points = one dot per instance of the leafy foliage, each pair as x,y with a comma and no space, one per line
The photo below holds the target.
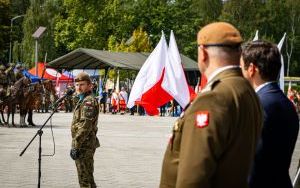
4,28
138,42
109,24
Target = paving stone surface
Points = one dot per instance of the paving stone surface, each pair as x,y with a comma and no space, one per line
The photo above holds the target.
130,156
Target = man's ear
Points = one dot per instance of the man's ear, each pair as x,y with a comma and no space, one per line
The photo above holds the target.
204,54
252,70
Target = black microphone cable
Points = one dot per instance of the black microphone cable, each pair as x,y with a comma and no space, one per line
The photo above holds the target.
53,140
68,93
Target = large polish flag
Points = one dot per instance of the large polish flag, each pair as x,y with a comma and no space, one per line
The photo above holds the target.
174,81
147,90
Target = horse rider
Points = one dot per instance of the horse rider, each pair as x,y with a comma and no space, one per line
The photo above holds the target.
10,74
3,83
19,72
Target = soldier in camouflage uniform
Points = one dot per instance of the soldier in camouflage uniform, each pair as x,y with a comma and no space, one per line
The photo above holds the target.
10,74
11,78
84,130
3,83
68,101
19,74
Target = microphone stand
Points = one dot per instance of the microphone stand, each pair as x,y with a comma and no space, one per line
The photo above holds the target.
40,133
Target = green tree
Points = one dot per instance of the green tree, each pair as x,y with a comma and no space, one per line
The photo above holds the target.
88,24
246,15
4,29
18,8
293,38
272,18
40,13
138,42
187,17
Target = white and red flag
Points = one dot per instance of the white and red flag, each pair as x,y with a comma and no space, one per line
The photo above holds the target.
174,81
281,74
147,90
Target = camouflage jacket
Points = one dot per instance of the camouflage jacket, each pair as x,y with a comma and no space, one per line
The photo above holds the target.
10,75
18,75
84,125
3,79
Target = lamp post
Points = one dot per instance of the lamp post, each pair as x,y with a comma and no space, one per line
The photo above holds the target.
36,35
11,26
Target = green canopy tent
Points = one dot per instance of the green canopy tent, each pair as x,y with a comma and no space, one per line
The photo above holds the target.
83,58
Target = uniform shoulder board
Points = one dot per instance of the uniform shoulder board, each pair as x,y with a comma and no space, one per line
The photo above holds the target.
210,86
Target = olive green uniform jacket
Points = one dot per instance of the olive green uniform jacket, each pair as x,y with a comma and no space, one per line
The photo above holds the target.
215,152
84,125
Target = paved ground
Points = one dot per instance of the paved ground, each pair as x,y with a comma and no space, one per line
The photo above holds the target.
130,155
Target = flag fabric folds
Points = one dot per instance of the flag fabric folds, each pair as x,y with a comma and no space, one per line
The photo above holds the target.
256,36
118,82
174,81
147,90
100,89
281,75
161,79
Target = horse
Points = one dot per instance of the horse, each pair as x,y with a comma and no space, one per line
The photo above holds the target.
19,93
27,96
42,94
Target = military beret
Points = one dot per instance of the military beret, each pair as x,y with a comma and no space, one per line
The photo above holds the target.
83,77
219,34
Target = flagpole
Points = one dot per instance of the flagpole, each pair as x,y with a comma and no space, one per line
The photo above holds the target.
296,178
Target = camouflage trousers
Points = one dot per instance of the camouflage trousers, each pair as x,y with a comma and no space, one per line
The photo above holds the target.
85,169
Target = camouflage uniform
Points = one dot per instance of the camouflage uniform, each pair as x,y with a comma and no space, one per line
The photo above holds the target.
19,74
10,74
84,130
68,102
3,82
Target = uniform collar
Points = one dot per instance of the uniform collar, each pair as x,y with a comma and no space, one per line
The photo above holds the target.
83,95
263,85
219,70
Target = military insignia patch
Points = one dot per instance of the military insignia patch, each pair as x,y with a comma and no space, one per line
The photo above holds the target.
202,119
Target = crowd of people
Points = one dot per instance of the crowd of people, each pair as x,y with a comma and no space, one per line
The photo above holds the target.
113,101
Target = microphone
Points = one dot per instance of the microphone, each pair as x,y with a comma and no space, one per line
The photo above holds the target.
69,93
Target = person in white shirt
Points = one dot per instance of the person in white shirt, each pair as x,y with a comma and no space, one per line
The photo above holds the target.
114,102
123,98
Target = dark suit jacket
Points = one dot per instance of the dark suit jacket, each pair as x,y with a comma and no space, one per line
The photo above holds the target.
277,142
